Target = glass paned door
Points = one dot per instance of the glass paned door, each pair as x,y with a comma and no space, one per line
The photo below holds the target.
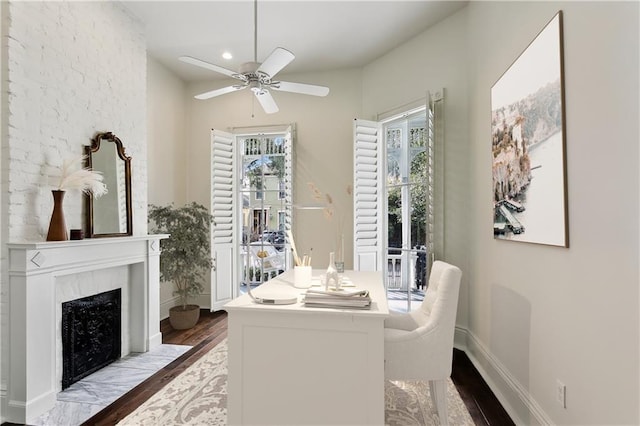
407,163
418,190
263,177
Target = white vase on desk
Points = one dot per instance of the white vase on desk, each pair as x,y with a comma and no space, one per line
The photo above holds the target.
332,278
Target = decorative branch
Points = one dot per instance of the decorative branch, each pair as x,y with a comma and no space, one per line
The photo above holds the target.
329,211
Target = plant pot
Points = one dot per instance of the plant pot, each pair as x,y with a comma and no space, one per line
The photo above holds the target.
182,319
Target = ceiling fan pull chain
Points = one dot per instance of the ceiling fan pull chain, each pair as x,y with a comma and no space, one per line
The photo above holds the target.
253,106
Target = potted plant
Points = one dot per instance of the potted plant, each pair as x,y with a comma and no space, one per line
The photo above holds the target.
185,257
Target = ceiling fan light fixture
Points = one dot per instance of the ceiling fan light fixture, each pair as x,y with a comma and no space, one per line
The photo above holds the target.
255,86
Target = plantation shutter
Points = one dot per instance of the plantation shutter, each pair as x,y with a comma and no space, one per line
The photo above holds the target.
430,237
368,226
435,178
288,187
223,209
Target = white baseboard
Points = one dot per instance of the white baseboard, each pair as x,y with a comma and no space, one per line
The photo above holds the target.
3,400
520,405
204,300
166,305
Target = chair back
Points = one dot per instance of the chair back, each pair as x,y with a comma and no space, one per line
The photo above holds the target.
440,271
425,352
441,306
419,344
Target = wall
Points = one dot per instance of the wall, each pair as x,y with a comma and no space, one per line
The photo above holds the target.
435,60
323,148
536,314
167,149
539,314
166,102
65,62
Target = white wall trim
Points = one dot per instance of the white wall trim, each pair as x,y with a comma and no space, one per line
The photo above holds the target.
407,108
165,305
490,368
3,398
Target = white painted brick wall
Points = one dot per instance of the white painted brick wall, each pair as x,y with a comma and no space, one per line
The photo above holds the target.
73,69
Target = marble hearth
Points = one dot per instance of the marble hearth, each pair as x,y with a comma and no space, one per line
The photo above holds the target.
42,276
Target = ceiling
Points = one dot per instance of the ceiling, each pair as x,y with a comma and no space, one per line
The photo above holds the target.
324,35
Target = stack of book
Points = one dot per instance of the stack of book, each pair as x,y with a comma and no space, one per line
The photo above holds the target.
344,299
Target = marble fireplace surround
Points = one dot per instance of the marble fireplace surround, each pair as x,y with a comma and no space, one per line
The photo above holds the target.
35,273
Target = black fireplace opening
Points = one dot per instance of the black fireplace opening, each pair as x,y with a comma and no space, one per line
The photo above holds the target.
91,335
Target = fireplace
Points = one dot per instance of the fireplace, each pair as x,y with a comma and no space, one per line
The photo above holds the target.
91,334
45,275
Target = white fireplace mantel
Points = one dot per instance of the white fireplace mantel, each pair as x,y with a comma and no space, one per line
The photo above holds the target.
33,269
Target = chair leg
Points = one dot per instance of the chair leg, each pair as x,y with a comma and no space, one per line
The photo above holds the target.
438,390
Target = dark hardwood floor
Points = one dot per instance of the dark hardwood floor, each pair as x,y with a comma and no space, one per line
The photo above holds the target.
212,329
476,394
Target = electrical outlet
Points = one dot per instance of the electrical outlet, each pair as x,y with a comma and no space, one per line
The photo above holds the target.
561,393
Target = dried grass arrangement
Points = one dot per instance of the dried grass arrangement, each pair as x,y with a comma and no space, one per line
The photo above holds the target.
84,179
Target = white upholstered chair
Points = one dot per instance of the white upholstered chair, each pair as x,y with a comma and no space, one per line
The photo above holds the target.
419,345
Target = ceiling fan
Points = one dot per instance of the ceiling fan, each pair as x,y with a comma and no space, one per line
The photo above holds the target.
259,76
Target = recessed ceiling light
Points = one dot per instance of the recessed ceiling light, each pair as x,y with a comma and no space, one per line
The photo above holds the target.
227,55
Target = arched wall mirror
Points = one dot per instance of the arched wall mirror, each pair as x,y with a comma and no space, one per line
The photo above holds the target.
109,215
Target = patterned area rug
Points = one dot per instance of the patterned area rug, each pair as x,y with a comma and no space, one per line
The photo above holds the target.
199,397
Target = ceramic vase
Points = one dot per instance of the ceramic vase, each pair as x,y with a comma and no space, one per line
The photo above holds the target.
332,277
57,225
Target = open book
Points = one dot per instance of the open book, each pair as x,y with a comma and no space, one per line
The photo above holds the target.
348,299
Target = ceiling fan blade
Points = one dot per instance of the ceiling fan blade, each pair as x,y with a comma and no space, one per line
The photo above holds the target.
218,92
277,60
207,65
306,89
267,101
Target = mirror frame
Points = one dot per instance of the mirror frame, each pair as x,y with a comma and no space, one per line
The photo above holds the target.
89,201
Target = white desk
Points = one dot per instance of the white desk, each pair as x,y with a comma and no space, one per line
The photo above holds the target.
293,365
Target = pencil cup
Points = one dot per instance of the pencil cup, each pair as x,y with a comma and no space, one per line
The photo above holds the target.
302,276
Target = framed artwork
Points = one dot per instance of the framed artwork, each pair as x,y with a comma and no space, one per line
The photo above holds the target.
528,144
